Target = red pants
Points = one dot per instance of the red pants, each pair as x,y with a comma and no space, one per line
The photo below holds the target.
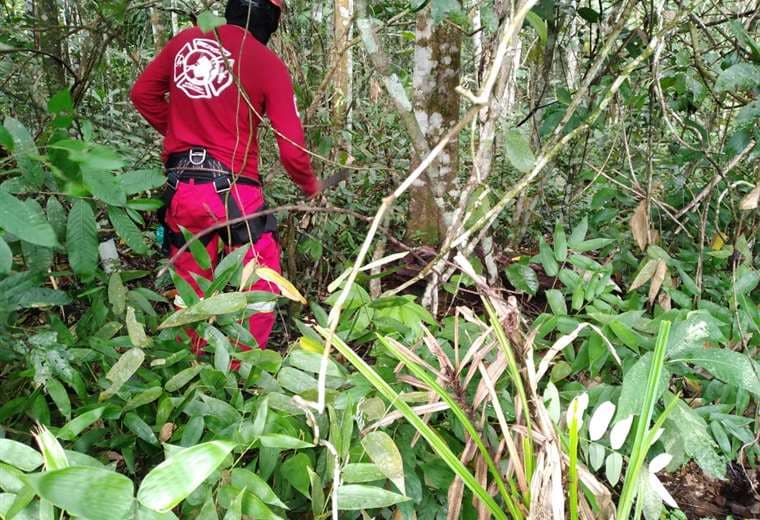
197,207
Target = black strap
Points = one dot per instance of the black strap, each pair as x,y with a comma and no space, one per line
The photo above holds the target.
198,165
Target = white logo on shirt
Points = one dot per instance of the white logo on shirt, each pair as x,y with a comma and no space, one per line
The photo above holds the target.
200,70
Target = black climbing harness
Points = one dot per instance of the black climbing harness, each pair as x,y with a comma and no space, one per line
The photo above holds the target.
197,164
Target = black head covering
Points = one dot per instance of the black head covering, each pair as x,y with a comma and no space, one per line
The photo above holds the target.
260,17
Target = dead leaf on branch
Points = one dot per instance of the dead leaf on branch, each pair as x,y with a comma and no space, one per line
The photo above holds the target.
751,200
640,225
659,276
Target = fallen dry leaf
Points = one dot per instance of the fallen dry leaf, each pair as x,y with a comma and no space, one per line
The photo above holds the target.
640,225
657,279
750,201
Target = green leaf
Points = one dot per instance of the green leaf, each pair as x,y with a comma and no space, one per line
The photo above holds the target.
104,185
635,380
6,257
117,294
222,348
283,442
61,102
25,152
122,370
613,468
138,181
92,493
173,480
82,239
27,224
578,234
539,24
140,428
225,303
691,434
208,21
182,378
546,256
127,230
295,471
740,76
518,150
143,398
588,14
56,215
730,367
19,455
560,242
77,425
361,472
135,330
384,453
592,245
354,497
242,478
556,301
698,328
523,278
197,249
60,397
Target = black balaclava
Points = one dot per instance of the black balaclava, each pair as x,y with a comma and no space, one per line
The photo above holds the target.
260,17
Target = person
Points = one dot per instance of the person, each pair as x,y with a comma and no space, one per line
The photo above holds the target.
210,145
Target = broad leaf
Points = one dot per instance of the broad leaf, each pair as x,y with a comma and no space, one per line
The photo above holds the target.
27,224
731,367
87,492
384,453
518,151
173,480
20,455
82,239
740,76
208,21
127,230
354,497
523,278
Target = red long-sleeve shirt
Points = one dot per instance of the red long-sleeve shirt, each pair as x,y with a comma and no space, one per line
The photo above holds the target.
204,107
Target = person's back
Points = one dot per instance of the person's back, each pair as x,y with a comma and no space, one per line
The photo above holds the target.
219,84
208,109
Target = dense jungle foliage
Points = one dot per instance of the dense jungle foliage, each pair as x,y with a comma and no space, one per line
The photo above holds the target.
534,295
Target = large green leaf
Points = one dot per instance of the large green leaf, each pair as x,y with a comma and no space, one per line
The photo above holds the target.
740,76
173,480
518,151
523,278
104,185
698,327
226,303
354,497
728,366
635,380
138,181
208,21
20,455
122,370
243,478
384,453
87,492
27,224
25,152
687,431
77,425
127,230
82,239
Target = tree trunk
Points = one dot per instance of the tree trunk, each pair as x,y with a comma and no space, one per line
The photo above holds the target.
49,42
159,29
344,11
436,107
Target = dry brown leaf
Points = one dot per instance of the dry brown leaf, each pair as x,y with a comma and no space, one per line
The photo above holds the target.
751,200
640,225
644,275
659,275
166,432
664,301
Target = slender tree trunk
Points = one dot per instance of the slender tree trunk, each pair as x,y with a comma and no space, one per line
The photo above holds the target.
343,33
159,29
436,106
49,42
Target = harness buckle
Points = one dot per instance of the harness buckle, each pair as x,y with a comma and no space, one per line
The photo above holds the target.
197,156
219,185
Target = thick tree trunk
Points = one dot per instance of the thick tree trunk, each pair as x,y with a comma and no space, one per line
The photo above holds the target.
49,42
436,107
